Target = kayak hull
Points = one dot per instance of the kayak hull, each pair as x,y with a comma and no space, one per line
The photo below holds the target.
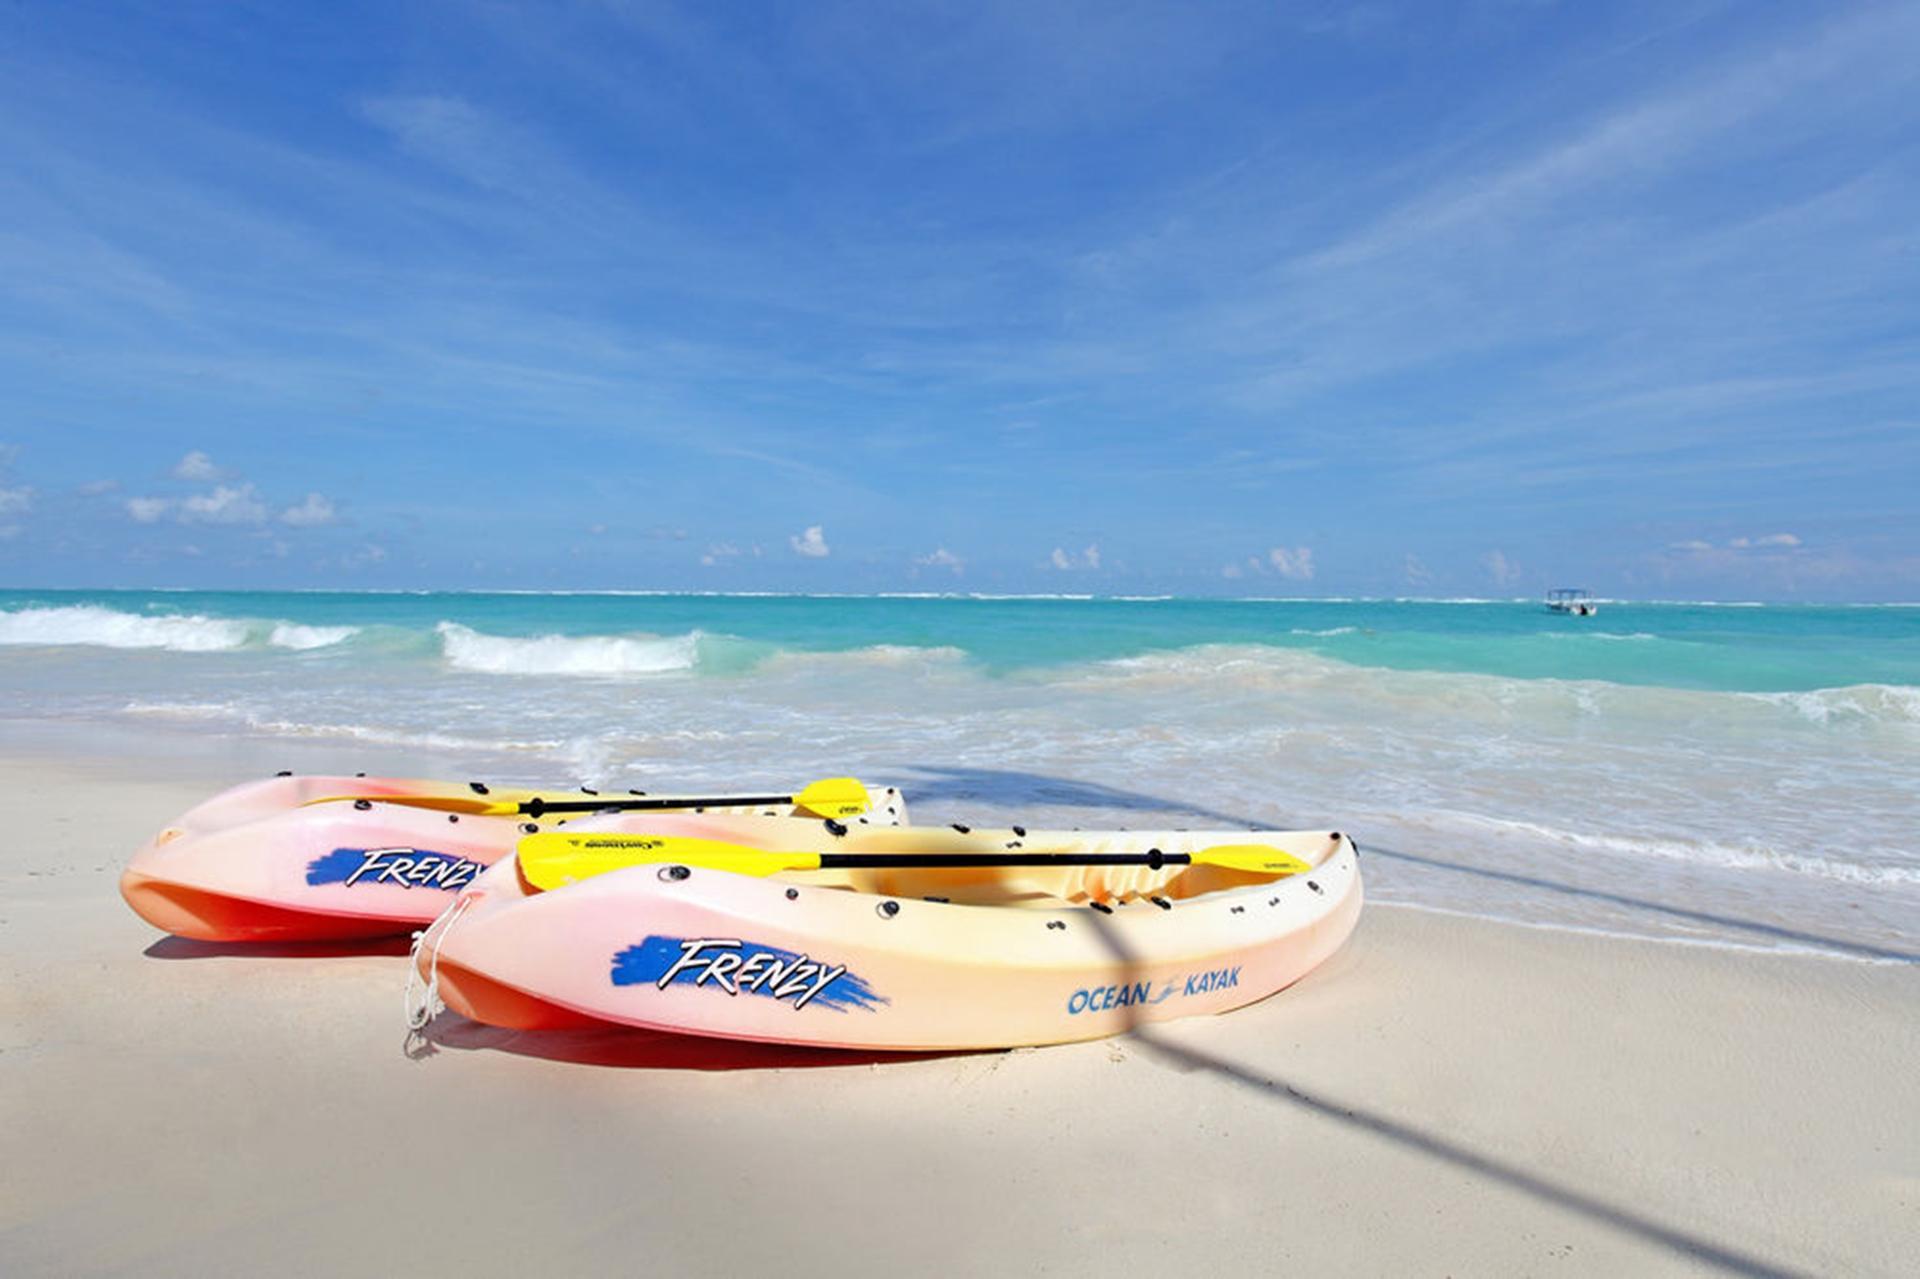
263,862
794,960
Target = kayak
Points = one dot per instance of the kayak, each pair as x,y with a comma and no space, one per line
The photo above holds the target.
908,956
326,858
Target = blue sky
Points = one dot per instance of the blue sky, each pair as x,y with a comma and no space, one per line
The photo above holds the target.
1280,299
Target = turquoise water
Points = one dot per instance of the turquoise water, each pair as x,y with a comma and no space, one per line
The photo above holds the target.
1721,775
1773,648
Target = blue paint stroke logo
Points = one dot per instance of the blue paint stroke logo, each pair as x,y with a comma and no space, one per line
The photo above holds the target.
737,967
407,867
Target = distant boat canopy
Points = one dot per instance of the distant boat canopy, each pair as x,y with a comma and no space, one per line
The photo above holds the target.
1572,599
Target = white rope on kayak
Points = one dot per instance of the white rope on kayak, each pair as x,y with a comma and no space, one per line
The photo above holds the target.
421,1011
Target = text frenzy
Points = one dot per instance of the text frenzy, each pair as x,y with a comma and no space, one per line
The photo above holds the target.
737,967
411,868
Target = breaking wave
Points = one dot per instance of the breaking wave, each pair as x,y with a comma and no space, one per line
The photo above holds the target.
89,624
604,656
295,636
1252,669
1878,703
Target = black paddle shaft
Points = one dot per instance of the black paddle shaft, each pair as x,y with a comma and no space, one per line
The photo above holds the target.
946,861
536,806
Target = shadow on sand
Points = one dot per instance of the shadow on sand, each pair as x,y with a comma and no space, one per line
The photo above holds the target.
627,1047
1421,1141
186,948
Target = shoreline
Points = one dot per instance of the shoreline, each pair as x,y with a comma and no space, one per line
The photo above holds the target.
1444,1095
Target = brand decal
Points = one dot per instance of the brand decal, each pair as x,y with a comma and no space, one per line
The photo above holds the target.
1099,999
407,867
743,968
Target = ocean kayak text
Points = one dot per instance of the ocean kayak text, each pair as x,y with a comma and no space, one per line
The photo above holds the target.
1099,999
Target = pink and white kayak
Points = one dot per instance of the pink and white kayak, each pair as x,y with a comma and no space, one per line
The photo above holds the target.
906,957
323,857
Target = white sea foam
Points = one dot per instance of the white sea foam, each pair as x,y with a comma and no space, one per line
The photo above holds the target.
385,735
1326,634
295,636
89,624
875,655
1699,852
1879,703
585,655
1782,949
1598,635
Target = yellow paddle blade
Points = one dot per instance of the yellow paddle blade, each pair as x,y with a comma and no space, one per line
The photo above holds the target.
554,859
1258,859
834,797
469,804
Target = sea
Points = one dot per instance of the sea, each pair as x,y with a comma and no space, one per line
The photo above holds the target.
1738,776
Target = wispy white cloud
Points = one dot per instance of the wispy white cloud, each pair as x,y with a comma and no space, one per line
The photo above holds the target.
311,512
196,467
226,504
1501,569
941,557
1067,562
1762,542
1294,564
148,510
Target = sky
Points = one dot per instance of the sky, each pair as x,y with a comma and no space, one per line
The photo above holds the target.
1287,299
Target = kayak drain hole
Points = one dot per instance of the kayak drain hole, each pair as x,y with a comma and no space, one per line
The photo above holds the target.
888,909
362,804
674,872
793,894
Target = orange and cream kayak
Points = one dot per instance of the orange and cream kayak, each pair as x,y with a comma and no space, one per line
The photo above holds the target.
906,957
325,857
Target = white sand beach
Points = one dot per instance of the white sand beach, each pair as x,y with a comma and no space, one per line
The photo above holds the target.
1447,1096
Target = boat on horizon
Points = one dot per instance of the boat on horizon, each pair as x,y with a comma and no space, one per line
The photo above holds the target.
1572,600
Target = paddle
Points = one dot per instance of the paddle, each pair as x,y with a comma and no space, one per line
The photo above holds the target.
829,797
554,859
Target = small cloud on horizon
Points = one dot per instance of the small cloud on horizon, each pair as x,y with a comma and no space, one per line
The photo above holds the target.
941,557
1295,565
1088,559
812,543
